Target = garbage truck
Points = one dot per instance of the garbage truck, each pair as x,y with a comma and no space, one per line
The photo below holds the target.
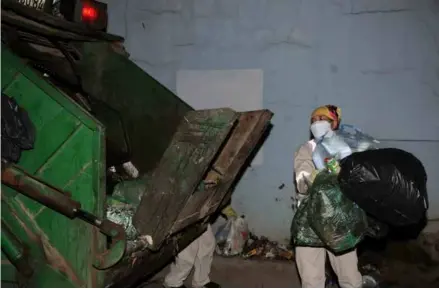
117,174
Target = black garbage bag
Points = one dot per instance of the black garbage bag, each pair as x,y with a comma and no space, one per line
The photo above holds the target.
18,131
376,229
340,223
389,184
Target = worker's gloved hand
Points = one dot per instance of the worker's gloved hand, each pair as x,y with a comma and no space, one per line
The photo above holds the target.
300,198
313,175
309,180
229,212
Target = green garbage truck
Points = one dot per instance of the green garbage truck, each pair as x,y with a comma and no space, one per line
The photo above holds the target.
119,174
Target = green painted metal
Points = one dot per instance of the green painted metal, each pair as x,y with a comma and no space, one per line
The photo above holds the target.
10,245
61,202
151,113
68,154
14,251
113,257
36,189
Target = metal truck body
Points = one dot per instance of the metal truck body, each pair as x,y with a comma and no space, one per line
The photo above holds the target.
95,110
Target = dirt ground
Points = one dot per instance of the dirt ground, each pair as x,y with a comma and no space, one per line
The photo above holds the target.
240,273
395,263
404,263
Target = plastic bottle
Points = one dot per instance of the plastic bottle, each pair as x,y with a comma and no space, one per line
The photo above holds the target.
332,165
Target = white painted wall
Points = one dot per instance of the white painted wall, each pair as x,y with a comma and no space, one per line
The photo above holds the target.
377,59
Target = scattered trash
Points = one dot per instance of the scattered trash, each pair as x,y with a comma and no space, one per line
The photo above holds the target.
122,214
266,249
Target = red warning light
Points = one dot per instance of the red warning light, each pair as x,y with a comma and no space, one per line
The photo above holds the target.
89,13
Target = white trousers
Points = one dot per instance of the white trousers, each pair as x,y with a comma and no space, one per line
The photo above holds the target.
311,265
198,255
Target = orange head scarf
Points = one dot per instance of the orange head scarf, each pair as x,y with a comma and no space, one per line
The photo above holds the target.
330,111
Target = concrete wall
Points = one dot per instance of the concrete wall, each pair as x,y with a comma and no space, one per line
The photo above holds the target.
378,60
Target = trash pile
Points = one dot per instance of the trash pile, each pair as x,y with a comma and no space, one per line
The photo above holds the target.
360,190
234,239
265,249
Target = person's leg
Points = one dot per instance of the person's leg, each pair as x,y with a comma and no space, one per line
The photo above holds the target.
346,268
311,265
204,258
182,266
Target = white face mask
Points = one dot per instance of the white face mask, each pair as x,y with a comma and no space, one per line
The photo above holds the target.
320,128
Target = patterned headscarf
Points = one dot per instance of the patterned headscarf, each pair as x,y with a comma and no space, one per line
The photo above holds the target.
330,111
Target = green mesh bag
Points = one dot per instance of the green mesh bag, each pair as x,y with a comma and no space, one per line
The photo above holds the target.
337,221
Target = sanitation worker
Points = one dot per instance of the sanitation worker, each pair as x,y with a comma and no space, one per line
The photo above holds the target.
310,260
198,256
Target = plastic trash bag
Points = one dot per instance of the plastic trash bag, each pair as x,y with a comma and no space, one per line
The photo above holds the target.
376,229
389,184
330,147
301,232
18,131
356,139
336,220
131,191
346,140
232,237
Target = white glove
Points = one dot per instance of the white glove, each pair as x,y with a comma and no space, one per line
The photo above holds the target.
299,199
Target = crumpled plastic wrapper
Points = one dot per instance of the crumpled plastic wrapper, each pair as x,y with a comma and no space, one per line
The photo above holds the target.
122,214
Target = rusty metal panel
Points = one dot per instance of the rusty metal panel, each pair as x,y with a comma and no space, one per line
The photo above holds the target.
214,192
182,167
136,269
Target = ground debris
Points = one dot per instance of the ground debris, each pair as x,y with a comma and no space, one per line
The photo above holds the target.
262,248
403,263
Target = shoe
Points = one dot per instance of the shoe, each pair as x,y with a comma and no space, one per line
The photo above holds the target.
182,286
212,285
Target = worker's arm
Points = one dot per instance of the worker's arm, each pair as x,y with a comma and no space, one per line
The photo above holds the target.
304,169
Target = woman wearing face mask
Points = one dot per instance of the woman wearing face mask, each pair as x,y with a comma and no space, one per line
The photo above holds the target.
310,260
